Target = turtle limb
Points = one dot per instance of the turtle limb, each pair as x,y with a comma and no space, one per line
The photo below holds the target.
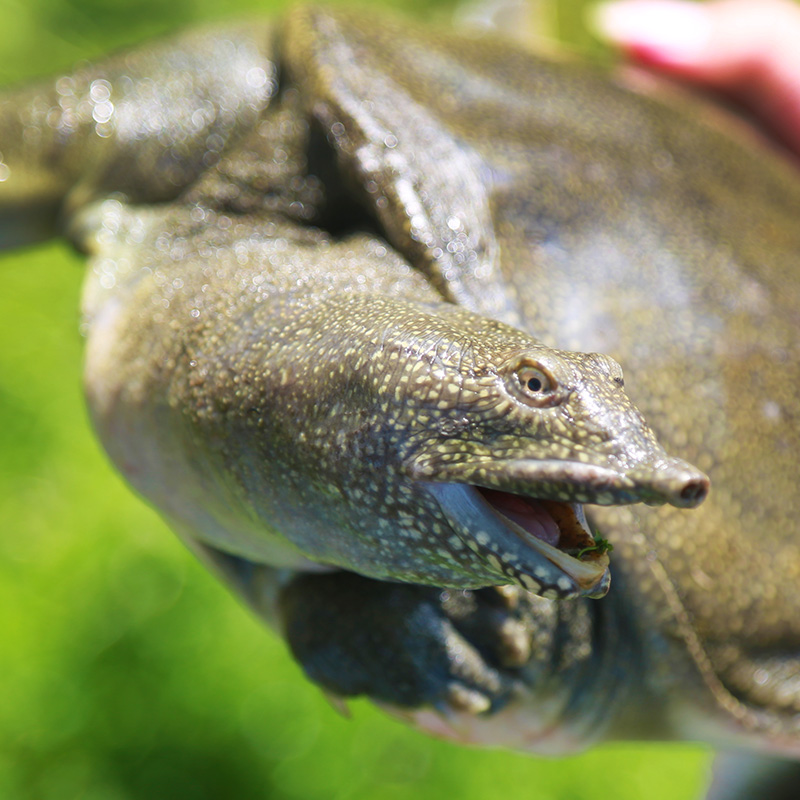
143,124
405,645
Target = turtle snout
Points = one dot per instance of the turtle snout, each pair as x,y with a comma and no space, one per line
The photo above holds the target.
675,482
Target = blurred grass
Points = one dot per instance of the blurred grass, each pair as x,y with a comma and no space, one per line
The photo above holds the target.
128,673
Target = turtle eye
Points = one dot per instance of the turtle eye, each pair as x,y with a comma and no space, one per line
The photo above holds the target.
534,381
535,385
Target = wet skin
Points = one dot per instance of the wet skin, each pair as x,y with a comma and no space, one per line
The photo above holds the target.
311,309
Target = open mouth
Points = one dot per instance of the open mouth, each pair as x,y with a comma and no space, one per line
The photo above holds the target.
560,525
556,529
543,545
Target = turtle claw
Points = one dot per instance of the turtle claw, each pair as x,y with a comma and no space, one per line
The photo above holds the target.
406,646
462,698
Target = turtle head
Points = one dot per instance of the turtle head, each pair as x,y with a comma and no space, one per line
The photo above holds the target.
523,436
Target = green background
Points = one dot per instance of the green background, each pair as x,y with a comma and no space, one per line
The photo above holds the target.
126,671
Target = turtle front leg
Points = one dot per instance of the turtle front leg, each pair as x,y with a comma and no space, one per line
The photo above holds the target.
405,645
496,666
493,666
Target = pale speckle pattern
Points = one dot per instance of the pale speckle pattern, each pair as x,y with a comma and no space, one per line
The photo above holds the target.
271,377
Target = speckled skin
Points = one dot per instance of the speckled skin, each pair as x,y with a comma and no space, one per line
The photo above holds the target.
274,268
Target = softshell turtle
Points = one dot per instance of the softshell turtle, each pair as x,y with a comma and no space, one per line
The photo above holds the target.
334,267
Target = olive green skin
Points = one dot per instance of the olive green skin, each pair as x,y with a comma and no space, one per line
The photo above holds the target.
600,219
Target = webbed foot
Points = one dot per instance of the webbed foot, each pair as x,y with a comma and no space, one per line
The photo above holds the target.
408,646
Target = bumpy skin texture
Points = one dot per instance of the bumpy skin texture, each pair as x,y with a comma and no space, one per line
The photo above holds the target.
261,247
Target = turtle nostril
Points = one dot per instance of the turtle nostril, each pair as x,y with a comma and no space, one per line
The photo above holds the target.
695,491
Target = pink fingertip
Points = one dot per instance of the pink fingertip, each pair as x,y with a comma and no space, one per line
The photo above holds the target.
668,32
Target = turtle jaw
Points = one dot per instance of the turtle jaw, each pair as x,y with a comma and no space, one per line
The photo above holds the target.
573,564
518,556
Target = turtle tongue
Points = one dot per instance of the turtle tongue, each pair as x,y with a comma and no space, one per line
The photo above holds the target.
529,514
